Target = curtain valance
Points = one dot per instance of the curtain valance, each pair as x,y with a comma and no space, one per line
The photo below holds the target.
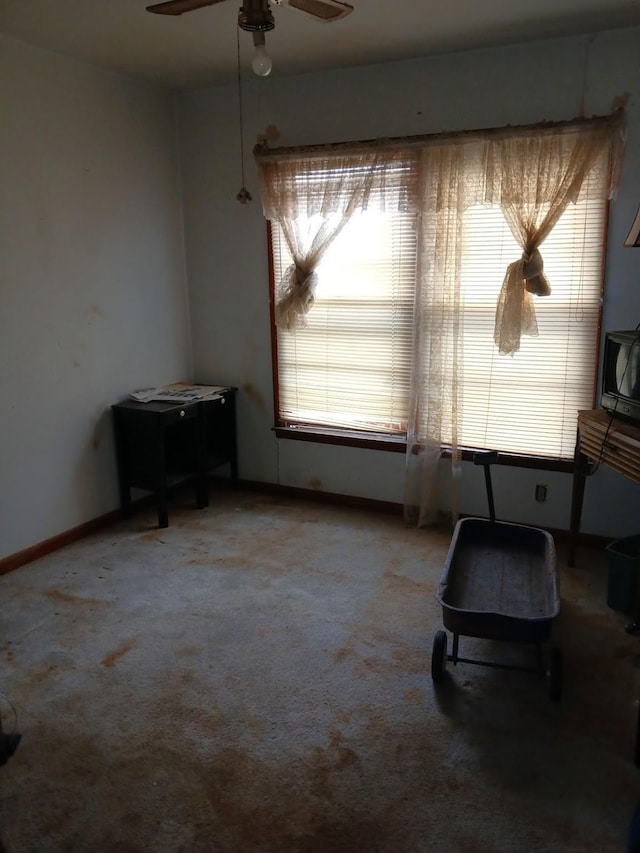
612,123
337,184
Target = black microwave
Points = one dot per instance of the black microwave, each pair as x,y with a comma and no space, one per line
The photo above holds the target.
621,374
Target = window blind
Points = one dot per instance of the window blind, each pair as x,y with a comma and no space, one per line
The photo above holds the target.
349,367
529,403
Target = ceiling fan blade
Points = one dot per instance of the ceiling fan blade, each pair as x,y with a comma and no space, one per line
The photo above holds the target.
177,7
325,11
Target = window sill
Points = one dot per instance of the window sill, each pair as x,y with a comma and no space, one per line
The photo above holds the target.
398,444
351,438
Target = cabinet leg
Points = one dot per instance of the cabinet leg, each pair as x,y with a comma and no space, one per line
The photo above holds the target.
163,510
577,496
121,462
125,502
161,473
202,480
202,491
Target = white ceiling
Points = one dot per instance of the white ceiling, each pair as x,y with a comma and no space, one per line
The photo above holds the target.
199,48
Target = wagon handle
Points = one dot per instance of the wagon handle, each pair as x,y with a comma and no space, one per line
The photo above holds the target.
486,459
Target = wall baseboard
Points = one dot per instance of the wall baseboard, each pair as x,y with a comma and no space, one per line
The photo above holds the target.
41,549
587,540
67,537
75,534
321,497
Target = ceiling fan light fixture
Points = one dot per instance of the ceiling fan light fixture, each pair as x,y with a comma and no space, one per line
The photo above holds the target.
255,17
261,62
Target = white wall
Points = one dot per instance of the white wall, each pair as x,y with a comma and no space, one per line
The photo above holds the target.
226,242
92,280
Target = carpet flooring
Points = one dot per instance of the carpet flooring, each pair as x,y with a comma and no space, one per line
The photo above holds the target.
256,678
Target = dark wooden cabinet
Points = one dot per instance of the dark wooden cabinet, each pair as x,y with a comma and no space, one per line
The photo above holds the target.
161,444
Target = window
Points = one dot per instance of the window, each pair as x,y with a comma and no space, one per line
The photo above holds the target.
349,369
528,404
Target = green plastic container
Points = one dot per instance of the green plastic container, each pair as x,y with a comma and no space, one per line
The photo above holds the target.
624,566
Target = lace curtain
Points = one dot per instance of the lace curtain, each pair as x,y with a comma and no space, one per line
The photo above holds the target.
531,173
313,197
451,180
533,178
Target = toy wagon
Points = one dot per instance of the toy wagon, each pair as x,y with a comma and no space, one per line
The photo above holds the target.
499,582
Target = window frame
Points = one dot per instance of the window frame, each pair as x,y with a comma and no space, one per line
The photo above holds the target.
398,444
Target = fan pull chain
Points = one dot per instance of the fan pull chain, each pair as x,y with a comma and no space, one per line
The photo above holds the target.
243,195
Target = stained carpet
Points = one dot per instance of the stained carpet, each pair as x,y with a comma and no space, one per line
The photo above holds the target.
256,677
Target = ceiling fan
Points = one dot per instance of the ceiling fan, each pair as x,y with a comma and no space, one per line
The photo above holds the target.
255,16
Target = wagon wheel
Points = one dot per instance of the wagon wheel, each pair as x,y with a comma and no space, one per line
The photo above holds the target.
555,674
439,657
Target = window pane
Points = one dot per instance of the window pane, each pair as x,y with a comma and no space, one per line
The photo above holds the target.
350,366
528,403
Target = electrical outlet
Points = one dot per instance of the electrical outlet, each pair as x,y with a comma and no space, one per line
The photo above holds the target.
541,493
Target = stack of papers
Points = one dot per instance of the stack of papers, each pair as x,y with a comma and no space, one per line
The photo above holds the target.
179,392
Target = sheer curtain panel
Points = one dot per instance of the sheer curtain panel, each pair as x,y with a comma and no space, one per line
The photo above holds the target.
313,197
531,175
533,178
